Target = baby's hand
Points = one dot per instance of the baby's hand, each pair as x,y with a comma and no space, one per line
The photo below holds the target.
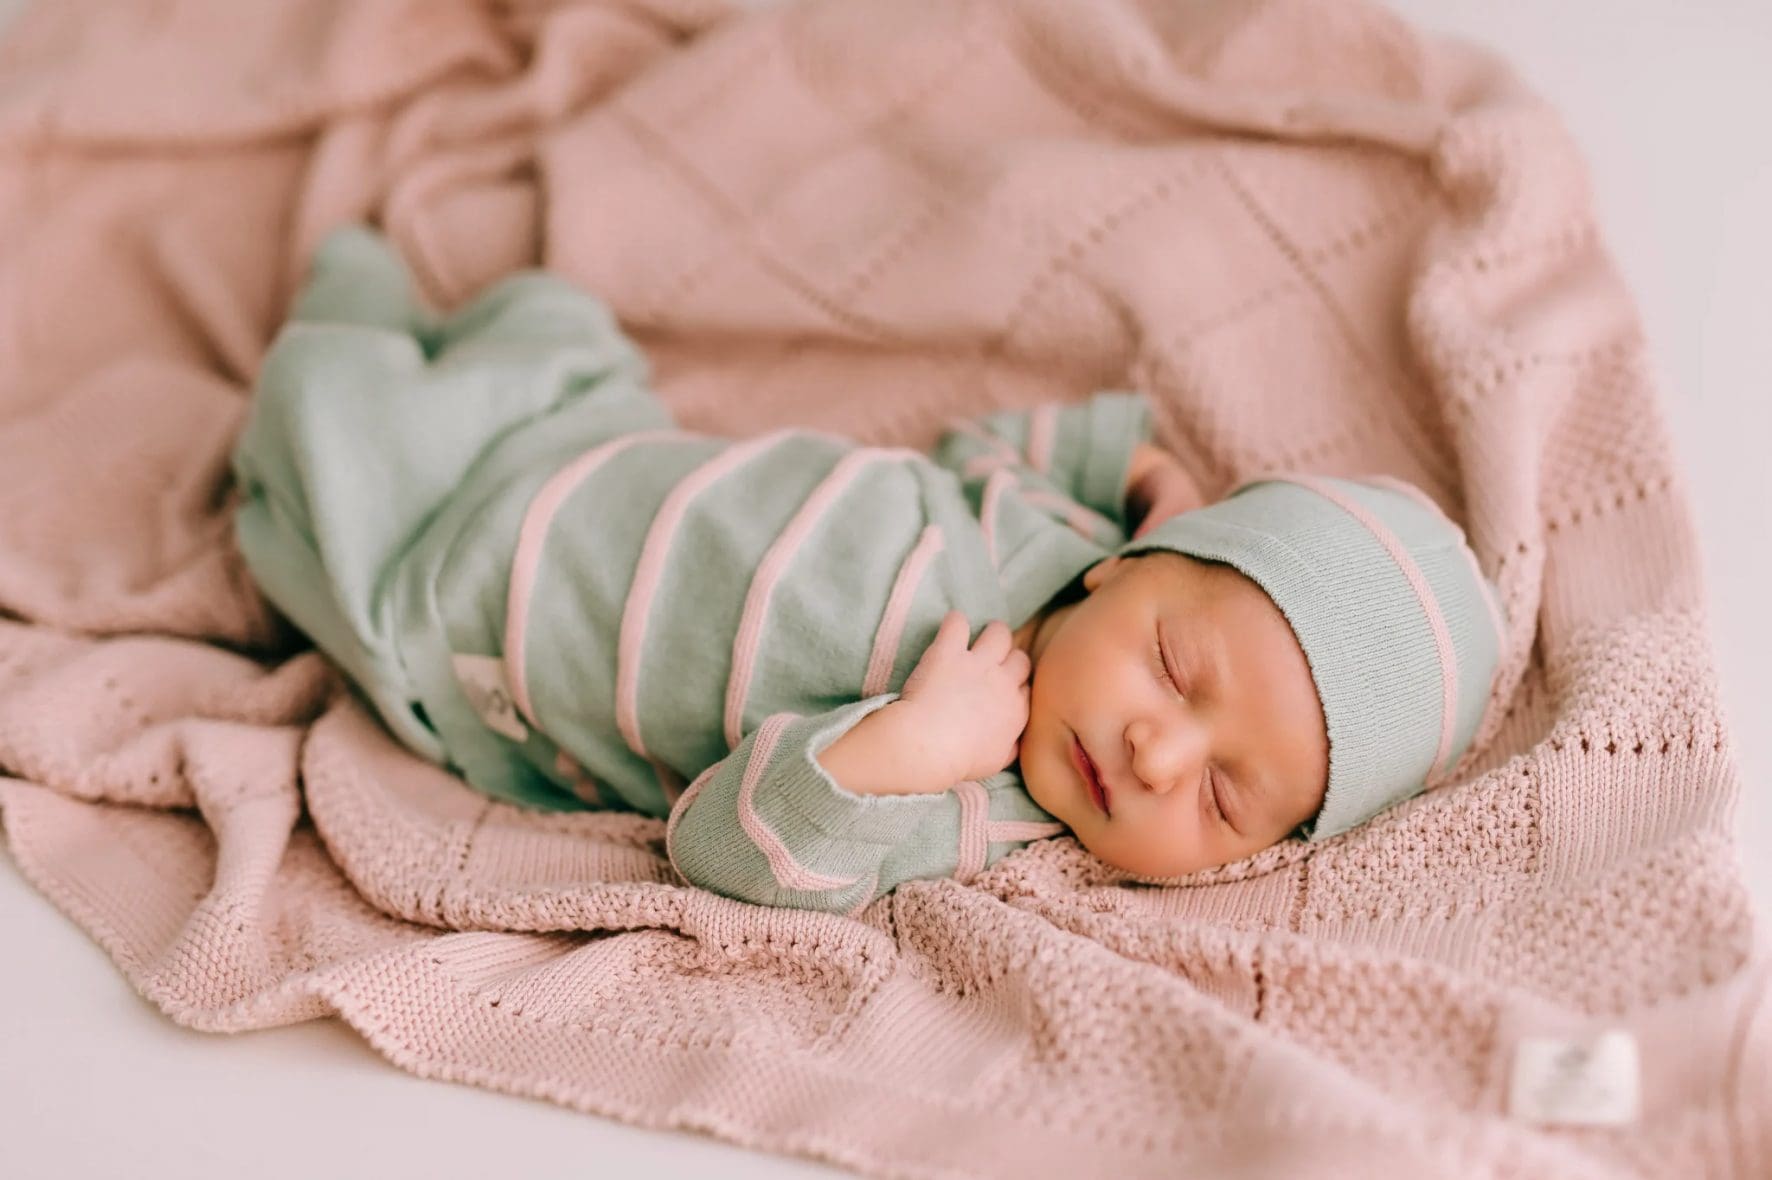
970,706
1158,486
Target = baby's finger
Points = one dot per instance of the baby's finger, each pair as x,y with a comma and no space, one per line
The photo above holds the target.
953,631
994,641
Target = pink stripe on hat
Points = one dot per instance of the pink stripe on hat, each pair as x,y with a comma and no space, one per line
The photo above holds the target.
1490,605
1424,593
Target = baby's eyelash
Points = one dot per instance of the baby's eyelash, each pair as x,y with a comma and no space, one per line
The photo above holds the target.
1212,795
1209,787
1163,664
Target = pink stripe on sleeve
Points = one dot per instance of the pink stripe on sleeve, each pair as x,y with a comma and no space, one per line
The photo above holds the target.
532,535
867,897
898,607
1022,829
788,872
649,572
997,444
1423,592
994,488
1042,430
678,809
975,816
984,464
1082,519
775,562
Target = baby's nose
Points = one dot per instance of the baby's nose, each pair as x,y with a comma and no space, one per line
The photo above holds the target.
1165,754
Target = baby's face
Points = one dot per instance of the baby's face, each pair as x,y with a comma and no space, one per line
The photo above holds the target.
1228,759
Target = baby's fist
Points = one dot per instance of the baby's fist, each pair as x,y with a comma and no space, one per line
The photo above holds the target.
971,704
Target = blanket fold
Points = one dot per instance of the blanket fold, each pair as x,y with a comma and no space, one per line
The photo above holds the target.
1317,238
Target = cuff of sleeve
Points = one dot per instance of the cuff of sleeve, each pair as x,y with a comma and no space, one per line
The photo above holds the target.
1118,422
812,794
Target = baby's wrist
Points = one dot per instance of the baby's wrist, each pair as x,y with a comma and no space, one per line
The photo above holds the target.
888,752
924,751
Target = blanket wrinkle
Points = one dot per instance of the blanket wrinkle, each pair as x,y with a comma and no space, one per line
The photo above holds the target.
1315,236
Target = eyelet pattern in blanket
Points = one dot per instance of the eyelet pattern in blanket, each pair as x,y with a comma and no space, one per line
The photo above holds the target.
1317,238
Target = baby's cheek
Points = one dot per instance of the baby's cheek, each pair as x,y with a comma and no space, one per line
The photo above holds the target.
1172,850
1035,723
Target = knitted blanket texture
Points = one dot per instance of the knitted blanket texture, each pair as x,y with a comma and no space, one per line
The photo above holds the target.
1319,239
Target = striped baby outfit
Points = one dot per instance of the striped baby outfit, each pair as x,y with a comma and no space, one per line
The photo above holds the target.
538,578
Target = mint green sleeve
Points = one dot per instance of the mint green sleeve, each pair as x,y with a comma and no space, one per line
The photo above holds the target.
1086,452
769,825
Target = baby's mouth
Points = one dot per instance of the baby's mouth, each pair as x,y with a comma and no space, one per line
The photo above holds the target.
1091,776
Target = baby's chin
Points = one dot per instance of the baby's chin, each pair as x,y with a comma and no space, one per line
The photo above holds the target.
1149,863
1138,867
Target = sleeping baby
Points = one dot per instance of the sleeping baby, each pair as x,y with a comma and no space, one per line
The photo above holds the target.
831,667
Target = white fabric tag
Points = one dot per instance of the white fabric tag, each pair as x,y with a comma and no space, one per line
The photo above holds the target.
482,678
1572,1081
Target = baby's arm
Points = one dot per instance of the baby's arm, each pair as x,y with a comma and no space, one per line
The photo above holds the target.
767,824
1084,451
960,717
828,812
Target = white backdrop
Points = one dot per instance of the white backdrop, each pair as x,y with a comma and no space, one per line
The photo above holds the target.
1669,101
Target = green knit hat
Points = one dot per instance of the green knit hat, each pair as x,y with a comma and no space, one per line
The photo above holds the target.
1401,629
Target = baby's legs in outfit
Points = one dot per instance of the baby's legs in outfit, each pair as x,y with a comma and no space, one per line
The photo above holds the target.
369,412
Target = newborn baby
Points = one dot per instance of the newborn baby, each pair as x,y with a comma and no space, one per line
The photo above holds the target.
831,667
1173,724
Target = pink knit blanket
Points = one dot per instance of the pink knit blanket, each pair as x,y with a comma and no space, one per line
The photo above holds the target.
1318,239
